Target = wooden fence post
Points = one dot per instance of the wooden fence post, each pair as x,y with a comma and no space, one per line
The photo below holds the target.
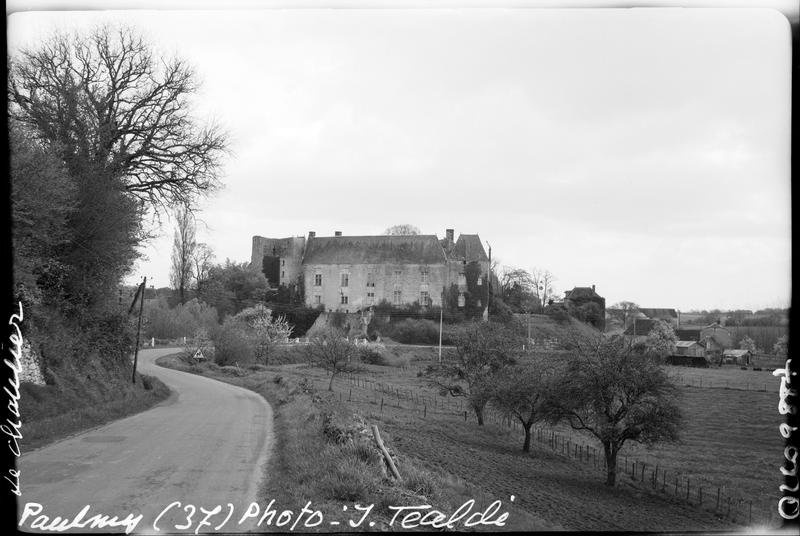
385,452
381,404
688,483
717,508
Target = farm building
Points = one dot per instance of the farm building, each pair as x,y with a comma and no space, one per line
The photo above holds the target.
670,316
714,338
738,357
690,348
352,273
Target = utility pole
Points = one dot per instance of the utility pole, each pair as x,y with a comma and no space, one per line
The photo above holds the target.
440,335
139,293
488,283
529,330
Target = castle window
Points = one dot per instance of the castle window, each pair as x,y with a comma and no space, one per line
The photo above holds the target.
461,299
370,279
317,280
317,299
479,281
283,262
397,274
370,298
397,297
424,298
424,275
345,279
283,274
462,280
344,299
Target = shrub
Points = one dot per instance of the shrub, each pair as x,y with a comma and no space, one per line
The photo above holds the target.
232,345
411,331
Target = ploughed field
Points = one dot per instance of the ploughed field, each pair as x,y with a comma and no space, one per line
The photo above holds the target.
731,448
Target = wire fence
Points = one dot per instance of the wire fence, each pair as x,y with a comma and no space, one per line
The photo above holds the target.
646,475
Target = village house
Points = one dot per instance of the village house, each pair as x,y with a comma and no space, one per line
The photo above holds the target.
714,338
352,273
580,297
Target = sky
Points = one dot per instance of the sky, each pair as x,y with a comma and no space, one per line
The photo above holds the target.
645,151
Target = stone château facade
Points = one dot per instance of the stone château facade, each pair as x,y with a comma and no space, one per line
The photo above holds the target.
351,273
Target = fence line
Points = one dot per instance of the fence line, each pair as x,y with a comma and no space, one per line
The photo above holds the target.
646,474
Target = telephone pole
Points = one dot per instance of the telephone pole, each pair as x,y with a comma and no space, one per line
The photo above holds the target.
140,294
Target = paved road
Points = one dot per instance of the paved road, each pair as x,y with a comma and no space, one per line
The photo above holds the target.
204,446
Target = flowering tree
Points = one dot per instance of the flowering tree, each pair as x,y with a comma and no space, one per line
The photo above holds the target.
661,340
263,330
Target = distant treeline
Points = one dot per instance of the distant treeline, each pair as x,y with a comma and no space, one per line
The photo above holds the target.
764,336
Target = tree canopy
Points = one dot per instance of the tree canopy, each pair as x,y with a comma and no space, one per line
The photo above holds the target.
404,229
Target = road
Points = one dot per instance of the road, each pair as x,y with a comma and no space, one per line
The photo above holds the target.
206,445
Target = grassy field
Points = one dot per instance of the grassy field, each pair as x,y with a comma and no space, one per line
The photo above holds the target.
730,442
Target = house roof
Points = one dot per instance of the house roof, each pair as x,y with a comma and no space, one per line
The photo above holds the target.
581,292
689,334
735,353
643,327
468,248
658,313
398,249
685,344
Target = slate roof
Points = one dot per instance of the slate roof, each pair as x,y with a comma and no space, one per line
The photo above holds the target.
412,249
578,293
658,313
688,334
468,248
685,344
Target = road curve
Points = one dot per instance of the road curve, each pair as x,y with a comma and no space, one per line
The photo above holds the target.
204,446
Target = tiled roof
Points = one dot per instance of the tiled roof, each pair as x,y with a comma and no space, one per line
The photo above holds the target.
685,344
688,334
411,249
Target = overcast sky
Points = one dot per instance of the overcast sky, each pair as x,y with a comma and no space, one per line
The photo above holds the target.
644,151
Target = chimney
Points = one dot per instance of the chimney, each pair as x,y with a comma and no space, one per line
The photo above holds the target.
337,233
311,234
592,288
449,235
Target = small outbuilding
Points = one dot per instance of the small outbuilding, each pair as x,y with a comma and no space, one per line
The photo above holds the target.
738,357
690,348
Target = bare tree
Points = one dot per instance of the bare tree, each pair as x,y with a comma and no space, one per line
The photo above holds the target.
628,310
202,262
543,285
330,349
525,392
183,249
404,229
117,113
483,350
617,394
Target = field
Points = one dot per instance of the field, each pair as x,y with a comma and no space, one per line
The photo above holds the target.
730,449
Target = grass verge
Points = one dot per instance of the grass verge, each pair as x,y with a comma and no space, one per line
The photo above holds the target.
53,412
